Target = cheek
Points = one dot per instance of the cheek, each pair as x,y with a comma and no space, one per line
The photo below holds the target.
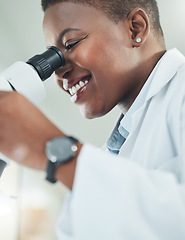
92,55
85,57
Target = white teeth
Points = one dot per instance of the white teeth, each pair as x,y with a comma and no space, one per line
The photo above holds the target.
81,84
75,88
70,91
73,98
65,84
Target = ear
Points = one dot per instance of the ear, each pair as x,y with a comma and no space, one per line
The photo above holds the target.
139,26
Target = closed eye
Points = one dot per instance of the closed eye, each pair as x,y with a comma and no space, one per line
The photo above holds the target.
70,44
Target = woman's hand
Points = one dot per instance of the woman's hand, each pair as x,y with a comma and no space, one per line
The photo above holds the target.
24,131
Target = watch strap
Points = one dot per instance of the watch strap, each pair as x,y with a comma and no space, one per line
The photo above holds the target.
51,169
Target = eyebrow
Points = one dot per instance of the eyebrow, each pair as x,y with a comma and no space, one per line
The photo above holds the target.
61,35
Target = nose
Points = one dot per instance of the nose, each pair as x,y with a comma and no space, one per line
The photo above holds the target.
64,72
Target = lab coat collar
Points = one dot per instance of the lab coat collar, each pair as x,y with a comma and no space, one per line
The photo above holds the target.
163,72
126,122
167,68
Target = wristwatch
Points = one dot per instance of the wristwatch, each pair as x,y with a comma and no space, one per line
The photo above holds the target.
59,150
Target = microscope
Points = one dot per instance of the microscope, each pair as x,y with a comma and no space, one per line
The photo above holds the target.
27,78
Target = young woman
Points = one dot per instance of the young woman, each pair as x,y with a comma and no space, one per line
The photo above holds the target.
115,55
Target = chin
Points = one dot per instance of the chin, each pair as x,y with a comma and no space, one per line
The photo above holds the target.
90,114
87,115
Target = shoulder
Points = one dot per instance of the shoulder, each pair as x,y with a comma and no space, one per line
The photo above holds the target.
175,95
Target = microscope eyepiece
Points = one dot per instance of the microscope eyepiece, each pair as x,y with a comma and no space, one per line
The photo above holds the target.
46,63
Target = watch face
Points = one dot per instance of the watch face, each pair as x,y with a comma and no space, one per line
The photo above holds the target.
60,149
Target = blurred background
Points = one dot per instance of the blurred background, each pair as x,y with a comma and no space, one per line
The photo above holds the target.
30,206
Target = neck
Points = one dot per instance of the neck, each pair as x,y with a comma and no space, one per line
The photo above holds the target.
142,73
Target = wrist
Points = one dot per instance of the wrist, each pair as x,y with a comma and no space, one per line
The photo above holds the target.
66,172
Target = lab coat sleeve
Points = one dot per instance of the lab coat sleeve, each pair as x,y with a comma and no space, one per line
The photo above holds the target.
114,198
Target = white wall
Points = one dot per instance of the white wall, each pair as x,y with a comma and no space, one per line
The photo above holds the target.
173,20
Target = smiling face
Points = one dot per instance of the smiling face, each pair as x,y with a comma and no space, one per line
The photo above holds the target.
100,60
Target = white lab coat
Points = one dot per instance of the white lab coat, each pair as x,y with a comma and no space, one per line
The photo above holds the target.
139,194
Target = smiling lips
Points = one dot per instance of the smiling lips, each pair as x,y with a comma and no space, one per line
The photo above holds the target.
77,88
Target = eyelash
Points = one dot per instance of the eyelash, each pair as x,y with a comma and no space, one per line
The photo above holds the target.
69,47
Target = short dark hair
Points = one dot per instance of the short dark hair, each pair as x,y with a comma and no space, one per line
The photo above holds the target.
116,9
